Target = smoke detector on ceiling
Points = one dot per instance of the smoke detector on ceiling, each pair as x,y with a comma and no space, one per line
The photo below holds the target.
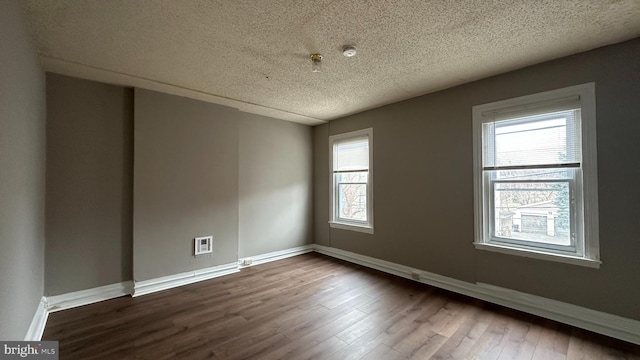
349,51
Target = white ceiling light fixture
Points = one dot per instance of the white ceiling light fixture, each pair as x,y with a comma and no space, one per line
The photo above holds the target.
316,63
349,50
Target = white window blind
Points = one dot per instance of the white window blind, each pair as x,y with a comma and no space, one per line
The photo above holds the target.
351,155
542,140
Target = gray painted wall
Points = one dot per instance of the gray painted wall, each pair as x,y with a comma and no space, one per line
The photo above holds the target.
89,184
275,185
185,184
423,186
22,175
200,169
321,185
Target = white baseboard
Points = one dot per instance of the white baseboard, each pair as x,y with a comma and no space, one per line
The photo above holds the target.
85,297
600,322
276,255
38,323
71,300
89,296
592,320
167,282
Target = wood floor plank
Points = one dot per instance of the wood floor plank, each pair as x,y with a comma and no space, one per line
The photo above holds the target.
312,323
514,341
323,350
553,343
257,349
300,346
315,307
383,352
463,340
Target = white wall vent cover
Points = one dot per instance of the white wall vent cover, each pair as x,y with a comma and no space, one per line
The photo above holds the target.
203,245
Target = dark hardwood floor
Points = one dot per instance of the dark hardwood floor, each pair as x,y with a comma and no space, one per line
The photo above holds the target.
315,307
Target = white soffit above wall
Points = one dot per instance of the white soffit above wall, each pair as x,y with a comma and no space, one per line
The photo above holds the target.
254,55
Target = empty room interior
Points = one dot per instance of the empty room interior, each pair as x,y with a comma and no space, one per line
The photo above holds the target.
364,179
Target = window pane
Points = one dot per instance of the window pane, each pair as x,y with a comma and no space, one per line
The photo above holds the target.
352,177
536,212
352,201
544,139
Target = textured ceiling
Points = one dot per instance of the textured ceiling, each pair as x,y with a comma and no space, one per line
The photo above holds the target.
254,54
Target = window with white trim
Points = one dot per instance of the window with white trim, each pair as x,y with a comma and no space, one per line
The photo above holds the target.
351,202
535,176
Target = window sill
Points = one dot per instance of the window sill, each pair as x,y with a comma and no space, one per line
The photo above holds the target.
574,260
352,227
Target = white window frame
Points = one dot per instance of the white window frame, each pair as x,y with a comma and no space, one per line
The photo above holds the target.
334,220
587,247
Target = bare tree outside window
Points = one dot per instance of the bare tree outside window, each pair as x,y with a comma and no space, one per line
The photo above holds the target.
352,190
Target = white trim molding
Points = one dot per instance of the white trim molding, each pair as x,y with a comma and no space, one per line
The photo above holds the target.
534,254
592,320
89,296
36,329
352,227
171,281
275,255
600,322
